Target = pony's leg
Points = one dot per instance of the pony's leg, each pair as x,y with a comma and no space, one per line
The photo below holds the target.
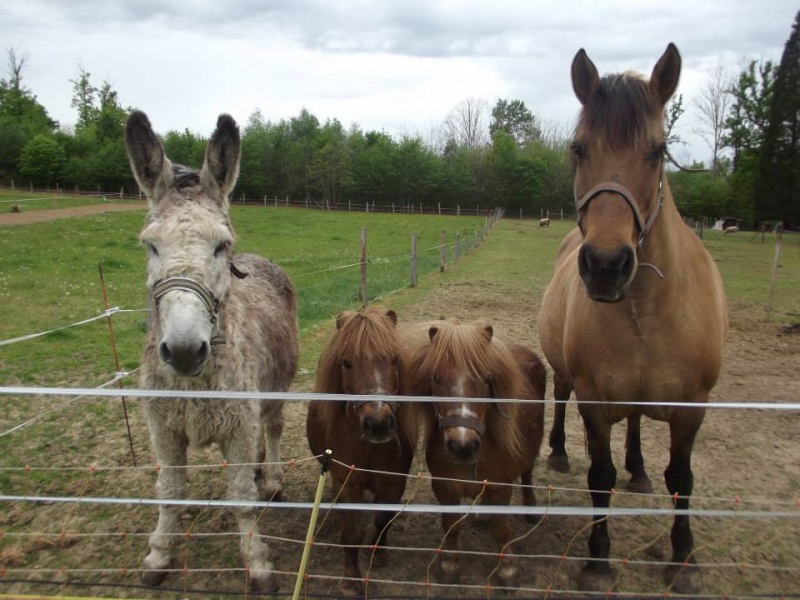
351,535
683,427
272,419
634,461
391,491
558,459
507,573
448,561
596,574
240,454
528,495
171,455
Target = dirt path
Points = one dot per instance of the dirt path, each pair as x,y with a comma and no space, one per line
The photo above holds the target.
26,217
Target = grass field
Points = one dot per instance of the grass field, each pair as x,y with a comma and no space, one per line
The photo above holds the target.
37,200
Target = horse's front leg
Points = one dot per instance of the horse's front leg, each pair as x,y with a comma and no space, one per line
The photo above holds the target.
270,450
351,533
391,491
558,459
634,461
451,525
240,452
507,572
170,451
528,495
596,574
683,428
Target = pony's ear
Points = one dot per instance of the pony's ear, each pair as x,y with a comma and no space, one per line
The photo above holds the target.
149,164
432,332
392,316
221,167
666,73
340,319
584,76
488,332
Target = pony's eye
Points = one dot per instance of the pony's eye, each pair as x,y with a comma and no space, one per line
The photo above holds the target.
221,247
578,150
656,153
346,364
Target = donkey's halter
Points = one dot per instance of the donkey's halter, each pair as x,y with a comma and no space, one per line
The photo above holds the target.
184,284
642,225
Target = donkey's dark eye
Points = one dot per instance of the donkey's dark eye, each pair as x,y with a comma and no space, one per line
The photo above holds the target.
221,247
152,249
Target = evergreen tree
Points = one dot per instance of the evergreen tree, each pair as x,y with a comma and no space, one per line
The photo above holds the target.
778,184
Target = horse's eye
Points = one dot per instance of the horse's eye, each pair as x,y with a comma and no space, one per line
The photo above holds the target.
221,247
346,364
578,150
656,153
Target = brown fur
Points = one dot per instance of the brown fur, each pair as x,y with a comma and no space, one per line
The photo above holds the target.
364,355
662,339
451,358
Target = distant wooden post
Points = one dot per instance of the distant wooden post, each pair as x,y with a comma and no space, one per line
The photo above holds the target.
458,247
562,214
12,185
366,206
392,207
364,296
477,209
413,260
520,214
276,200
287,199
121,193
440,209
349,205
774,275
265,201
458,210
442,251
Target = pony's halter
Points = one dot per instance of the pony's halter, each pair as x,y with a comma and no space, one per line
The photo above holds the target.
185,284
392,404
461,421
642,225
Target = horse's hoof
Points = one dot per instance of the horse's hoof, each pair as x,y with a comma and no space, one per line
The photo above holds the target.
683,579
640,484
506,577
267,584
558,462
153,578
352,588
596,578
448,574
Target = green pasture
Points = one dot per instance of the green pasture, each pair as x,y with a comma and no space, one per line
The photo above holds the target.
37,200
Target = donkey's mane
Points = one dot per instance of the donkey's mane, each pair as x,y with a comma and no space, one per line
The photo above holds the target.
459,347
183,176
621,111
360,335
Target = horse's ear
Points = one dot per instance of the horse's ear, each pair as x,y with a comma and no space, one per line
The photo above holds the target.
340,319
666,73
149,164
488,332
221,167
392,316
584,76
432,332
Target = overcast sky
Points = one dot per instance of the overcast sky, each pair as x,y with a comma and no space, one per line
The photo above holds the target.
393,66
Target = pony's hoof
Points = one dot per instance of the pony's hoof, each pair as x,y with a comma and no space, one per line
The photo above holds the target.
153,578
267,584
534,519
640,484
352,588
448,574
378,558
594,578
558,462
683,579
506,577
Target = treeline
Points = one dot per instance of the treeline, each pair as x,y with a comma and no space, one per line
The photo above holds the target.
499,156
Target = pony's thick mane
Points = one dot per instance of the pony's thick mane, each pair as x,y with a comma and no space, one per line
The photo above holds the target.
620,110
365,333
464,346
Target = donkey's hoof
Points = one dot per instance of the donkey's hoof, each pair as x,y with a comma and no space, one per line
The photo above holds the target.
683,579
153,578
594,578
558,462
352,588
266,584
640,484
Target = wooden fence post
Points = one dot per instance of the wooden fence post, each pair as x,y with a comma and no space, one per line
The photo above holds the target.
458,247
364,295
276,200
442,251
440,209
774,274
413,260
458,210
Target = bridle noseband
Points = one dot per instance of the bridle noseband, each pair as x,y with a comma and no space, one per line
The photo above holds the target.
644,226
210,302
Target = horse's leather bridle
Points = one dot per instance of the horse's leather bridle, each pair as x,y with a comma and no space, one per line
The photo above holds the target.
211,303
643,225
461,421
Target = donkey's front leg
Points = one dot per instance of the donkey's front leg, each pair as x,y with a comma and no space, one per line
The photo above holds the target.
240,454
171,456
272,421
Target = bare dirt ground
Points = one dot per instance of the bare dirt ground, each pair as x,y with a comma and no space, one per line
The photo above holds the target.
26,217
747,460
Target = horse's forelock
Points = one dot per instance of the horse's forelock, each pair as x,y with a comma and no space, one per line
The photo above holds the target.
621,111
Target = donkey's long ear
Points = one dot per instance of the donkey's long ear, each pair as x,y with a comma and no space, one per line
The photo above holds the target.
666,73
146,154
221,167
584,76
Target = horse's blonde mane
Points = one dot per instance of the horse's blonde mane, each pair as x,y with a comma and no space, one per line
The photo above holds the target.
457,347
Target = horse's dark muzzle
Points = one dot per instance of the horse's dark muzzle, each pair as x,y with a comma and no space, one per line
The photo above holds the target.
606,275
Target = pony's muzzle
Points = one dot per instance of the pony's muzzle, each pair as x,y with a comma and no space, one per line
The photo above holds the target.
379,430
462,450
606,274
186,357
